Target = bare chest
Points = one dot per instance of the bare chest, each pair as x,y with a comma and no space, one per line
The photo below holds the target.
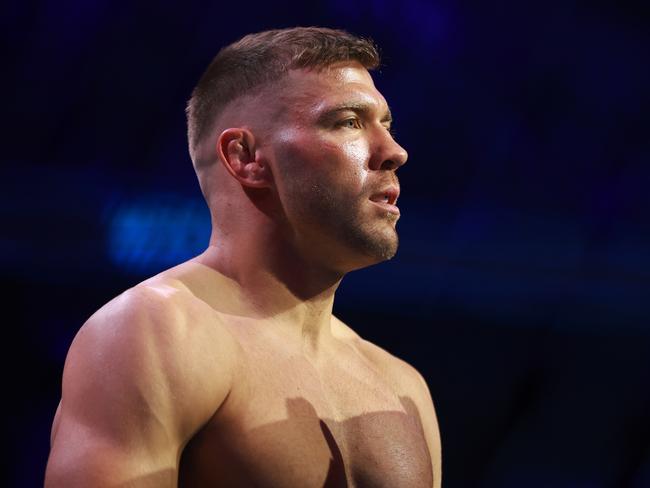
289,424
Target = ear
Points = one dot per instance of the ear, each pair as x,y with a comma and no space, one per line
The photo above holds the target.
236,150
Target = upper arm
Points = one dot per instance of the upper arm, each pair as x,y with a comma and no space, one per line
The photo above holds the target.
141,377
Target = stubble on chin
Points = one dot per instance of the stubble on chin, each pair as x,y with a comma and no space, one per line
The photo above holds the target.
381,243
349,223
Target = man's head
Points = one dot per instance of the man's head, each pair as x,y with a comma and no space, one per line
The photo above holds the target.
304,139
258,60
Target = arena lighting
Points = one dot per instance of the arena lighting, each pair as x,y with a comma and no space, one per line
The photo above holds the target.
148,235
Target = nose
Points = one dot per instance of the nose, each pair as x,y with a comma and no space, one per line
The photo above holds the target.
387,154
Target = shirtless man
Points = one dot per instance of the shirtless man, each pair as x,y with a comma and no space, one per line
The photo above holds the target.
230,370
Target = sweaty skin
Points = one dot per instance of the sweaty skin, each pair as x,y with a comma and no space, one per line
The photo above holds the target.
230,369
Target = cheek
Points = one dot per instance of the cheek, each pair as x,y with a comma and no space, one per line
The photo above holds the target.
305,159
346,164
357,155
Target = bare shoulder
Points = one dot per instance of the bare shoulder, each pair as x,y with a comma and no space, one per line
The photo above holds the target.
391,366
155,336
159,313
142,376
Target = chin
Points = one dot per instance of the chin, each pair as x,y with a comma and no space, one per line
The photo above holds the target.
378,248
385,253
358,238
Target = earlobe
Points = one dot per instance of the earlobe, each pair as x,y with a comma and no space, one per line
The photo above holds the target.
236,150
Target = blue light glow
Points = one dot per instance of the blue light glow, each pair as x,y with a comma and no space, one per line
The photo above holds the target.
149,235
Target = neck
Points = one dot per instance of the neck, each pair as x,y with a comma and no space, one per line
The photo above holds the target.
274,282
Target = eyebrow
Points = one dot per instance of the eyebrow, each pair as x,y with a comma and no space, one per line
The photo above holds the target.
358,107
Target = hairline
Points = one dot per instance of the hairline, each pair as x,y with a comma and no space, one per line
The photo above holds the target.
258,89
298,48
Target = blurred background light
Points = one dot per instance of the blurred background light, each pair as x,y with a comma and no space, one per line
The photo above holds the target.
150,234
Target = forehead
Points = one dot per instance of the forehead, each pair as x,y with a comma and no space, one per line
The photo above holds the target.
305,92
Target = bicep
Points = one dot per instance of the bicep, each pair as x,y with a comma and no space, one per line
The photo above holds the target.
136,386
111,429
83,455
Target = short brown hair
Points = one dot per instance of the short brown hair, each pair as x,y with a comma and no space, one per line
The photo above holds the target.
262,58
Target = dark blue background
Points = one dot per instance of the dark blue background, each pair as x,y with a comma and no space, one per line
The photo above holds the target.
522,282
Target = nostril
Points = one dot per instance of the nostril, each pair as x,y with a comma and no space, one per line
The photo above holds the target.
390,164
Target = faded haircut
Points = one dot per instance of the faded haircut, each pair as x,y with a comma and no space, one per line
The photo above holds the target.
259,59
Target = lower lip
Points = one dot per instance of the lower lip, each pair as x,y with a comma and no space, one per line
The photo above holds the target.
388,207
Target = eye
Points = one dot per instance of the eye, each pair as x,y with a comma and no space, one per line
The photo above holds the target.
351,123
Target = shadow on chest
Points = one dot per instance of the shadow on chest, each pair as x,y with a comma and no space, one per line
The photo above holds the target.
372,450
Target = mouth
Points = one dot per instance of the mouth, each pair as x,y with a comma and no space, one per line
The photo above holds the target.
387,199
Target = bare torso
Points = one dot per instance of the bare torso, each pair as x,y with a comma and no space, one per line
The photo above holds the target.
287,423
258,404
346,420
